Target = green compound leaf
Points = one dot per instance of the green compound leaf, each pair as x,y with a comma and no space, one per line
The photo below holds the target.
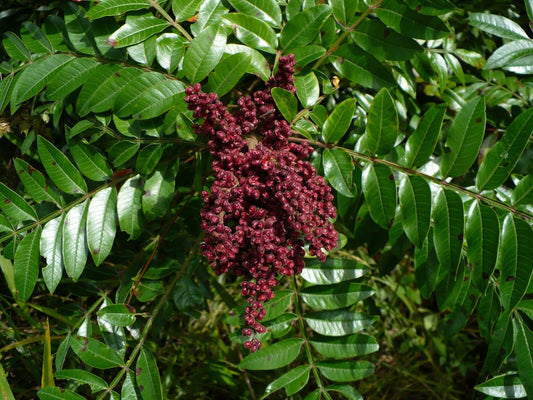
523,193
90,161
303,28
422,142
307,89
102,225
228,73
95,353
36,76
504,155
108,8
59,168
274,356
345,371
266,10
524,353
148,96
129,207
346,390
148,158
379,189
100,91
15,206
343,10
293,381
204,53
15,47
158,191
55,393
344,346
51,249
402,19
170,49
252,32
512,53
448,222
382,124
383,43
362,68
514,260
122,151
83,377
339,121
278,305
498,25
285,102
259,65
307,54
117,315
496,352
506,386
338,322
332,297
35,183
137,29
338,168
482,236
147,376
464,138
333,270
185,9
26,264
74,246
70,77
415,207
129,391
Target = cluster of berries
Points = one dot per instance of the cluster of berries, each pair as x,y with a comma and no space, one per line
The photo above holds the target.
266,202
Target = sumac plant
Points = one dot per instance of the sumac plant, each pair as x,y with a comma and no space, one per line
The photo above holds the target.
244,199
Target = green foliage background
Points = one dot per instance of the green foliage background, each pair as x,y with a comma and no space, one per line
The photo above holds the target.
420,114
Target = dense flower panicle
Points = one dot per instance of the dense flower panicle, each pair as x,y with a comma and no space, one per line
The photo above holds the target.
266,202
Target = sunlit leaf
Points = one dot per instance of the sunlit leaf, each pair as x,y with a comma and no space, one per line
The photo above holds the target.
74,246
333,270
506,386
344,346
204,53
304,27
345,371
101,225
293,381
338,122
108,8
274,356
338,322
331,297
252,32
51,249
129,206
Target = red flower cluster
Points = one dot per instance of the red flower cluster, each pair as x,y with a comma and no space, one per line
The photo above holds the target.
265,201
